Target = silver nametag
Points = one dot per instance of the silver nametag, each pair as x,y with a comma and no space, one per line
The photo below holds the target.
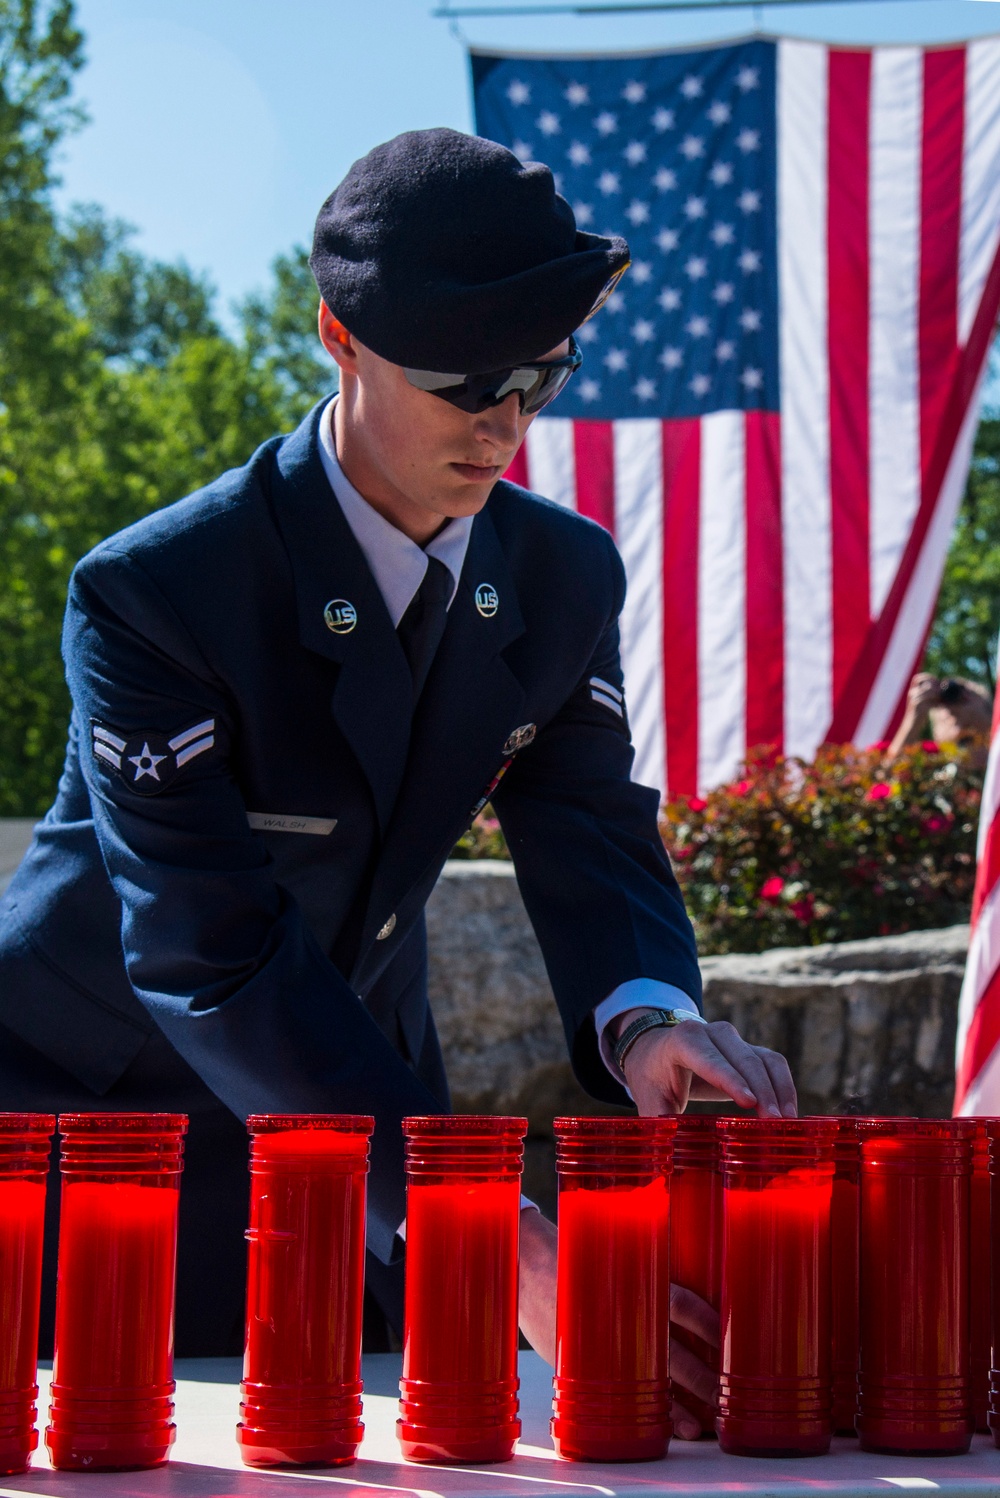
272,821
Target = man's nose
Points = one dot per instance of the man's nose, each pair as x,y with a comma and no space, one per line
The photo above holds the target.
501,424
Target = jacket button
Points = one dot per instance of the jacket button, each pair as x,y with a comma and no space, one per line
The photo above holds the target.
387,929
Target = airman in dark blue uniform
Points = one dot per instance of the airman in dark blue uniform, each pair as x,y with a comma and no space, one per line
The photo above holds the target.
293,690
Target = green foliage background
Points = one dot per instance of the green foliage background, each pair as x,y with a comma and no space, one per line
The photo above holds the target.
120,391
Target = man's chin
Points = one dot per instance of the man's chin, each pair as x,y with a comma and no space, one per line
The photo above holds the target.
460,496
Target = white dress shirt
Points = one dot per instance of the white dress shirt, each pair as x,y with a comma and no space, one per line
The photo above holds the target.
398,566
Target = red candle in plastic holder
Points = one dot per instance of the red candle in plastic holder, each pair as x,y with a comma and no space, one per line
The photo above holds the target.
611,1391
112,1375
914,1384
775,1378
305,1289
25,1141
844,1232
980,1271
993,1401
696,1233
459,1386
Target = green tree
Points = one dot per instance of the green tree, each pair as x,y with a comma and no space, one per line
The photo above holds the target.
138,311
279,329
119,390
963,639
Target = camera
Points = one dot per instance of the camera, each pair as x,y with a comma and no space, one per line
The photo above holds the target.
950,693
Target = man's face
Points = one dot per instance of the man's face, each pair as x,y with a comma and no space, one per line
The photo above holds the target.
443,461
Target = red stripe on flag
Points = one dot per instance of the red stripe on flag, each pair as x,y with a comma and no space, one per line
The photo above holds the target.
848,275
681,492
987,869
517,473
940,227
981,1040
594,448
961,390
765,622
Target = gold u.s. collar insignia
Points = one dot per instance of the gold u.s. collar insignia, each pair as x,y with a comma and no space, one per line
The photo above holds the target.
520,738
487,600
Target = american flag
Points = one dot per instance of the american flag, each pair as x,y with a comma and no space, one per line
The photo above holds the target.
777,406
977,1047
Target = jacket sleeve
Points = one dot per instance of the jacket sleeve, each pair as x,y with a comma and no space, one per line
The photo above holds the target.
216,950
590,863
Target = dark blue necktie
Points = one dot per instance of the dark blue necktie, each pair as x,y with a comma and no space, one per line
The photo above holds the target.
422,626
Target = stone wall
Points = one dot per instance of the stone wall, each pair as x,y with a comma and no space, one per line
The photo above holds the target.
867,1026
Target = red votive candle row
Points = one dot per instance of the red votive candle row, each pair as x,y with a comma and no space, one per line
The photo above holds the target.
25,1140
774,1383
838,1251
980,1274
305,1285
611,1391
992,1129
459,1385
112,1374
914,1376
112,1378
696,1234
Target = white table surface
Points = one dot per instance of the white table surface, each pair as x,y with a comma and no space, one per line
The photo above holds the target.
205,1462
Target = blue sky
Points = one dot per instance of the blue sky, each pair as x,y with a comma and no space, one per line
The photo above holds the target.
218,126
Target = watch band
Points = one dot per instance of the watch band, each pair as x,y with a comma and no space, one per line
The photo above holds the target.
654,1019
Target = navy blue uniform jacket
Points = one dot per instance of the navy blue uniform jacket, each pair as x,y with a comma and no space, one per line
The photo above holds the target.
207,685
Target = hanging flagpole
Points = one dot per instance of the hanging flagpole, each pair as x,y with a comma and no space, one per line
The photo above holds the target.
630,7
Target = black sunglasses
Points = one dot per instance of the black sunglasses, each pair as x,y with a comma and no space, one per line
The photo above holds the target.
536,383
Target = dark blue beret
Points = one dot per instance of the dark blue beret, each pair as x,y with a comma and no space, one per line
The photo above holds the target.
443,251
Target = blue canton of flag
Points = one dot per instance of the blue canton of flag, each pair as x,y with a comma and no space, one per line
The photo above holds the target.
676,152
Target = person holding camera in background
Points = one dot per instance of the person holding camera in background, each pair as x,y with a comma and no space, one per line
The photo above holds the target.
960,712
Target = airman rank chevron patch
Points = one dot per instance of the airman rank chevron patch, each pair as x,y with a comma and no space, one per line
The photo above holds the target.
603,693
148,761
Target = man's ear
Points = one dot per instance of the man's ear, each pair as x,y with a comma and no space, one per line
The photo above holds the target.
337,340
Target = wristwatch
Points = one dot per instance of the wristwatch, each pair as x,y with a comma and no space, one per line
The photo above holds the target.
651,1020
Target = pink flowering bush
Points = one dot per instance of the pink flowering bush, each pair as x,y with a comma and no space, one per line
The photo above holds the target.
793,854
483,839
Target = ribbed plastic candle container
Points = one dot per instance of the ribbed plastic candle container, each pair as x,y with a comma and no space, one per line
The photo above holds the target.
25,1141
980,1270
844,1232
914,1385
993,1412
696,1234
305,1289
459,1386
612,1385
775,1379
112,1377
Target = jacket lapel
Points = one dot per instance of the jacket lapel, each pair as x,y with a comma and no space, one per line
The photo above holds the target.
468,707
372,700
